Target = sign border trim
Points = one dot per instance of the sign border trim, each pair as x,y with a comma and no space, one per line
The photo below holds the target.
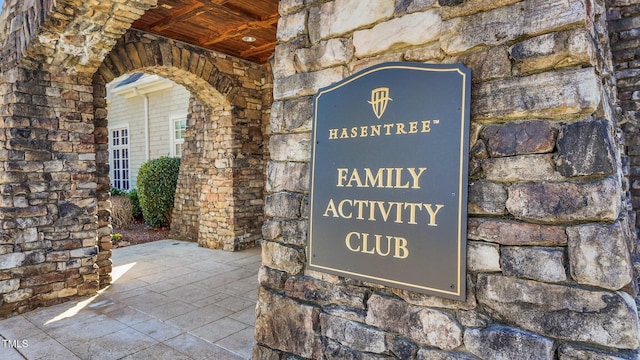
461,206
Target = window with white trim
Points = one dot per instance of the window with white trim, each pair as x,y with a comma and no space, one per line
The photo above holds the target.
120,158
179,126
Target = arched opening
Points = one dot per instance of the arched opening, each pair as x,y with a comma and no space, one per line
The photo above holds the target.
219,195
147,120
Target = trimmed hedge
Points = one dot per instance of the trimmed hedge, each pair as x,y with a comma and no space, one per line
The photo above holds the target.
136,210
157,181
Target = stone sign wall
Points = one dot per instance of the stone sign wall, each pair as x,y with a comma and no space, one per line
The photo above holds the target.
550,234
623,18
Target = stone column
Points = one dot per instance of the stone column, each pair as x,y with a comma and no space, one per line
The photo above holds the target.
186,208
48,187
53,161
101,137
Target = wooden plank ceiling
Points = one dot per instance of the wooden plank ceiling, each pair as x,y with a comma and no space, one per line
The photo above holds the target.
220,25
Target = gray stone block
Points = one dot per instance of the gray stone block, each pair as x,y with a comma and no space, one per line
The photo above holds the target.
424,325
505,343
586,148
487,198
557,203
356,336
605,318
599,256
535,263
519,138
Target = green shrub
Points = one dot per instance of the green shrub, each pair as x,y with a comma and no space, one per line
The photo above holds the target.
116,192
136,210
157,181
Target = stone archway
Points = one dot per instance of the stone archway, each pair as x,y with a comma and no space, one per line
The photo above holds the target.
56,58
224,151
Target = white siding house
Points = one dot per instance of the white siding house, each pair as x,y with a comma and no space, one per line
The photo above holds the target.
147,118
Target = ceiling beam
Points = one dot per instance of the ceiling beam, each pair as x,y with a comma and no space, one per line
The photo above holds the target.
240,30
179,15
258,49
242,12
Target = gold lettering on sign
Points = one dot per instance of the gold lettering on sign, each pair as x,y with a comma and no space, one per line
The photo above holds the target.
388,178
361,242
399,212
386,211
387,129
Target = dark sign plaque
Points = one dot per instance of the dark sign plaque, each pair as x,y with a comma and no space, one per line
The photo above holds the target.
388,189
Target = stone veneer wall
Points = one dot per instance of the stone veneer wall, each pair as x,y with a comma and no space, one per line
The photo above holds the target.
623,17
551,238
186,208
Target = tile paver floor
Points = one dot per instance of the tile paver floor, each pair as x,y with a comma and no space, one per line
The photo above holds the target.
169,300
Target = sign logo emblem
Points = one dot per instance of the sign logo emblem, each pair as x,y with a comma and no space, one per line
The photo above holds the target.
379,100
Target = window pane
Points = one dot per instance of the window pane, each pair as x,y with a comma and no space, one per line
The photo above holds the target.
120,158
179,126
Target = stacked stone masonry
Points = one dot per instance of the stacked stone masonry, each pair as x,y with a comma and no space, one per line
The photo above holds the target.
551,234
623,19
56,58
54,186
553,167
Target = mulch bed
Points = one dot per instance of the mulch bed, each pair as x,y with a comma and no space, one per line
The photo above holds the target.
139,233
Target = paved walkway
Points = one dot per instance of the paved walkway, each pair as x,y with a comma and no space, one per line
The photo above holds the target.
169,300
